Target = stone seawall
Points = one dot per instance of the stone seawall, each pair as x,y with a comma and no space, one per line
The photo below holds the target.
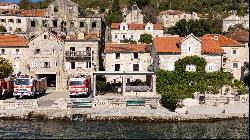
115,108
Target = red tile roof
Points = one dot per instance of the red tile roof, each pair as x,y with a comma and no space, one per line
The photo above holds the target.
12,41
239,35
115,48
222,40
34,13
136,26
170,12
171,45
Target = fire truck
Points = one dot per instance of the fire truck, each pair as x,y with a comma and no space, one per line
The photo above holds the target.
79,86
6,87
28,86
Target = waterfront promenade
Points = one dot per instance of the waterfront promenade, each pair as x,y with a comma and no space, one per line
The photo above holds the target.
57,105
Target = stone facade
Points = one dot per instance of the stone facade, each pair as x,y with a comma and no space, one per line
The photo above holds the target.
46,57
133,31
169,18
128,61
134,15
233,20
188,46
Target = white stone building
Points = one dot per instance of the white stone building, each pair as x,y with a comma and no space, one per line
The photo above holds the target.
13,48
236,54
8,5
235,19
169,18
127,58
122,31
170,49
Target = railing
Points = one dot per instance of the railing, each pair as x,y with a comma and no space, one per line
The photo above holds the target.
78,55
138,89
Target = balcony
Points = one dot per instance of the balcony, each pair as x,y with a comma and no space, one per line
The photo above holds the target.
78,55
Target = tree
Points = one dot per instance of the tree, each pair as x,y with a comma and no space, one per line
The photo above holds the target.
5,68
26,4
150,14
115,14
146,38
2,28
197,27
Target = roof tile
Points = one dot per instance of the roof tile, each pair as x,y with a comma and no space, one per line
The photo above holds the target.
114,48
12,41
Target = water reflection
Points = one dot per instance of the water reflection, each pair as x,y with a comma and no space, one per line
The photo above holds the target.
236,129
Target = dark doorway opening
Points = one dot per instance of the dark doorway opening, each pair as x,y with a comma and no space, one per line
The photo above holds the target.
51,79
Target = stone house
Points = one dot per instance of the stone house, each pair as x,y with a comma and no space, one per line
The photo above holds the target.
122,31
241,36
233,20
127,58
167,50
45,58
61,17
235,54
17,21
13,48
8,5
169,18
134,16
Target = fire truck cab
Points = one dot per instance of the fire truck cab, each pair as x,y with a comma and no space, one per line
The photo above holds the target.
79,86
29,87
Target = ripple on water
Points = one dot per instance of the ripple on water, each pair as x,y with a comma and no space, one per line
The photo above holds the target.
236,129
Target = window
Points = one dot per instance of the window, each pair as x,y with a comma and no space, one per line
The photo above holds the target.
123,36
115,36
54,23
190,68
189,49
88,51
73,65
17,51
71,24
81,24
235,51
148,28
123,27
132,37
210,67
53,51
117,55
136,56
37,51
45,23
3,51
55,8
117,67
10,28
71,10
46,65
135,67
2,20
88,64
235,65
18,29
56,64
93,24
128,80
33,24
33,64
11,20
18,20
45,36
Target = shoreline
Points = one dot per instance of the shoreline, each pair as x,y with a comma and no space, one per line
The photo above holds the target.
173,117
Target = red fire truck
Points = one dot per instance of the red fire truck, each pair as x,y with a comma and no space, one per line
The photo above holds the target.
28,86
79,86
6,87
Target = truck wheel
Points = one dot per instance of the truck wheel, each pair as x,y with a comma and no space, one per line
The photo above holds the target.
17,97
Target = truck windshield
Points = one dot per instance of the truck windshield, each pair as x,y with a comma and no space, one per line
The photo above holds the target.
22,81
72,83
